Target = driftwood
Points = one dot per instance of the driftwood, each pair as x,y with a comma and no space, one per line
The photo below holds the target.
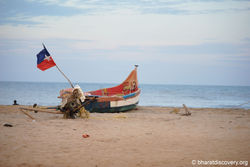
40,110
28,114
187,113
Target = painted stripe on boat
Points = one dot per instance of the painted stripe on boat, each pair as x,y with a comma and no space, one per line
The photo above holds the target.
125,102
129,95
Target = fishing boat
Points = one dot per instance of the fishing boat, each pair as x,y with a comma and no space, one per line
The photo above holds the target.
119,98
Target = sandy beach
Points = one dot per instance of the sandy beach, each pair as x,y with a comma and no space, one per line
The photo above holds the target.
146,137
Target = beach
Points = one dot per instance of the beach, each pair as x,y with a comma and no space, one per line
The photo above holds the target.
145,137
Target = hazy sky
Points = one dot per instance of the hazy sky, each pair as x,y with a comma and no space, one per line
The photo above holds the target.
173,41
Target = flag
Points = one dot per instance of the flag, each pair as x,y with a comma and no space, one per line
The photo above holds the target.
44,60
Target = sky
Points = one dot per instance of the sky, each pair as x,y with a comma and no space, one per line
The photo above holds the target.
194,42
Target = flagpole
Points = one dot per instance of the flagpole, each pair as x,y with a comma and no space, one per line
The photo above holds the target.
65,76
61,71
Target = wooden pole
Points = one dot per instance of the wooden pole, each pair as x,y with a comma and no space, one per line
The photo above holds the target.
28,115
40,110
65,76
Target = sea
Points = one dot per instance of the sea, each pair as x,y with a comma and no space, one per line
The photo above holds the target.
195,96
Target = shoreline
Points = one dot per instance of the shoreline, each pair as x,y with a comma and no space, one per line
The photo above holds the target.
147,136
151,106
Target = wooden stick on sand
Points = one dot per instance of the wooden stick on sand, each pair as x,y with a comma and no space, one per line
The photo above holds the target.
187,111
40,110
28,114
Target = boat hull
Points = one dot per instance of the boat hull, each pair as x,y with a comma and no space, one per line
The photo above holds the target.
129,102
110,109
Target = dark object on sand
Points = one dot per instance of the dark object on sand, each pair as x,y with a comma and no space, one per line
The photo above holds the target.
15,102
7,125
34,106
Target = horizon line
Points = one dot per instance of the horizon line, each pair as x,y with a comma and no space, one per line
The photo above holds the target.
166,84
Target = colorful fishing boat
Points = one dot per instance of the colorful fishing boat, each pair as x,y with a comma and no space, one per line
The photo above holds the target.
120,98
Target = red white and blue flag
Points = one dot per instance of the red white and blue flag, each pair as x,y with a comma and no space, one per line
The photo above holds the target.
44,60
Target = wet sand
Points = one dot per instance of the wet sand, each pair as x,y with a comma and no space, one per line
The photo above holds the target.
148,136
